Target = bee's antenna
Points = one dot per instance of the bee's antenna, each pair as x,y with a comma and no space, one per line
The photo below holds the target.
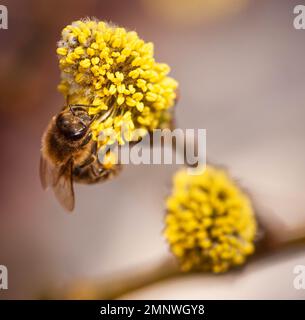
67,100
74,107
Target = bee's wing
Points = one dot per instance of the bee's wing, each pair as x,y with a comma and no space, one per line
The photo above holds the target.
45,172
63,186
60,178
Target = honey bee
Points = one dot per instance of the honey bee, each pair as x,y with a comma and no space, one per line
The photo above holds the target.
69,154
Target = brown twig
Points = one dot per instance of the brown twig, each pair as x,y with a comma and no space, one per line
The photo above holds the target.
119,285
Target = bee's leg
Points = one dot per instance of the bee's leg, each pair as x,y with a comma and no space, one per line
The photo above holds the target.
92,170
86,140
85,172
94,149
88,162
89,172
91,159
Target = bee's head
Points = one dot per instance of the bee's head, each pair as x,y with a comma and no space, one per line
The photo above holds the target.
73,126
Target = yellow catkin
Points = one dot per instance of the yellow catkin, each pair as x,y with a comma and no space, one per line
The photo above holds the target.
105,65
210,223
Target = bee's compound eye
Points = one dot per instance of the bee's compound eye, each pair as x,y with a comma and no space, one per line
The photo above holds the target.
71,126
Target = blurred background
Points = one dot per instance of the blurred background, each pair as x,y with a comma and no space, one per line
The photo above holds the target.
241,69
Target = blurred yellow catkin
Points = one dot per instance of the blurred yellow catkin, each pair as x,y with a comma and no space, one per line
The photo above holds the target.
210,223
